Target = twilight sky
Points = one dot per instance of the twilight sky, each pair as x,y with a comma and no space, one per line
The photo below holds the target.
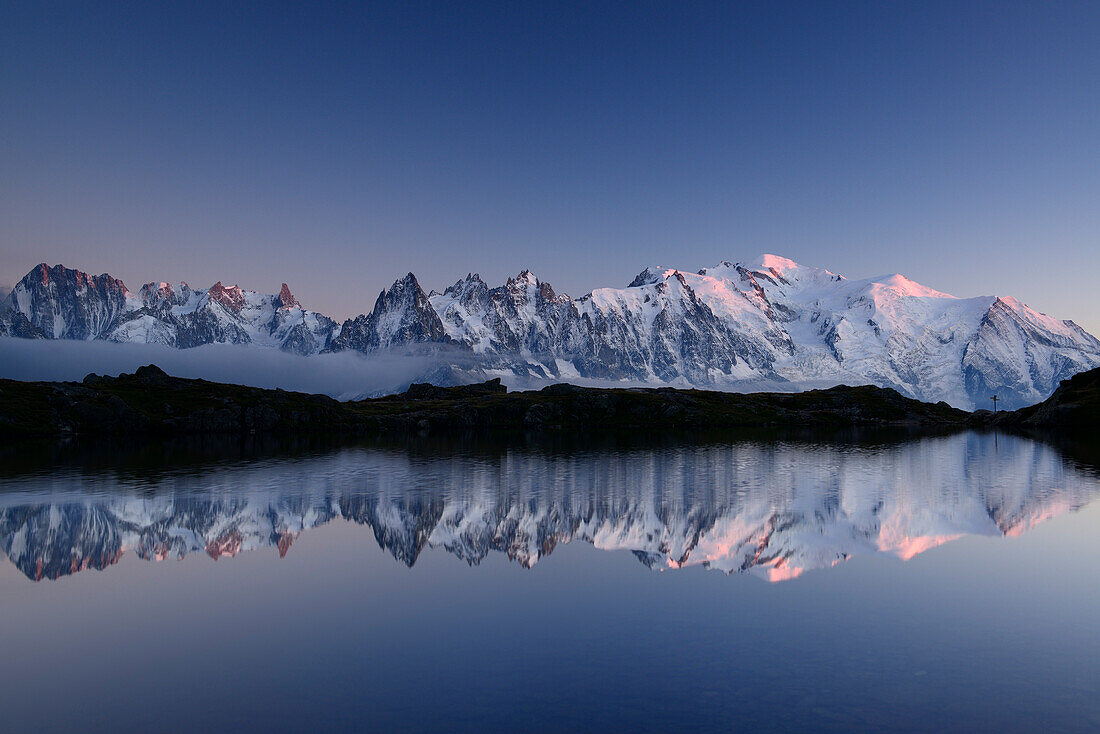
338,147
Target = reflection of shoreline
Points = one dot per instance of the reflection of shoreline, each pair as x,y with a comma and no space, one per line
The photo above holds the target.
773,509
149,458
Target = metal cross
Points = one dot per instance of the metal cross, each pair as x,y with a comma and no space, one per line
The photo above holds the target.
994,399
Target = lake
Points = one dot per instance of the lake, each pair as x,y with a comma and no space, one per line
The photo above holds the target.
863,582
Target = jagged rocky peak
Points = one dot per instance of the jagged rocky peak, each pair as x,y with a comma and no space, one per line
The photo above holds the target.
161,295
546,292
69,304
649,276
404,291
156,291
525,283
41,272
286,299
525,277
671,281
402,315
232,297
472,282
63,276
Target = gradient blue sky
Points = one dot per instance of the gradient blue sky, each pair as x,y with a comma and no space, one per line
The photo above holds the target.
338,146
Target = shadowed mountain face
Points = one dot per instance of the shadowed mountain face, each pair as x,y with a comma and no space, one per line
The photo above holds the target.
774,509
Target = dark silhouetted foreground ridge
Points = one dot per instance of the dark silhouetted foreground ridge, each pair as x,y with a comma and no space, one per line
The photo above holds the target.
151,402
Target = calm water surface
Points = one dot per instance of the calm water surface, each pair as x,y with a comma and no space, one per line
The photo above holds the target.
943,583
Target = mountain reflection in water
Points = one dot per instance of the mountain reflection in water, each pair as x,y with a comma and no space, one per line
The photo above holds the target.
771,508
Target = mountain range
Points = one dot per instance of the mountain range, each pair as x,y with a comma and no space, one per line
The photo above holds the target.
765,323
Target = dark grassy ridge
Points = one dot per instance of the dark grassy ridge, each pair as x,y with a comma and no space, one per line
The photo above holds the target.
151,402
569,407
1075,404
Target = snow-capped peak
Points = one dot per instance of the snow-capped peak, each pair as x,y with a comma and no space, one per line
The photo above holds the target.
767,261
153,293
788,271
231,298
286,298
903,286
526,277
472,281
651,275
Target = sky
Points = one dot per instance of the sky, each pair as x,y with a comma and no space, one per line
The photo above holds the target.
337,147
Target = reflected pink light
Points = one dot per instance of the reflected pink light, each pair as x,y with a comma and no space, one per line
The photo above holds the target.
906,548
783,571
1027,523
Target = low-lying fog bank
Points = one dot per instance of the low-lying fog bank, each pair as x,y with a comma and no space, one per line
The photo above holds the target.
343,375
